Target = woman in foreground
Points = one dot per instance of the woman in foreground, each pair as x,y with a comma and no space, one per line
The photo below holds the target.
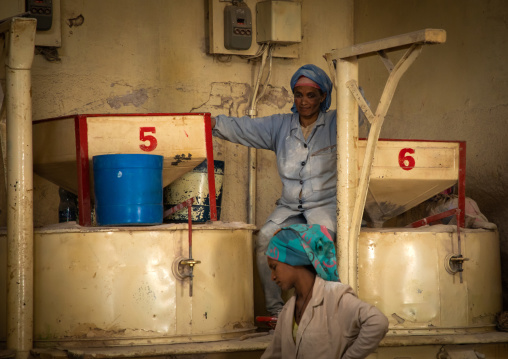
323,319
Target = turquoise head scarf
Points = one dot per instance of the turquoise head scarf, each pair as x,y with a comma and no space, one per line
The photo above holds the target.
305,244
318,76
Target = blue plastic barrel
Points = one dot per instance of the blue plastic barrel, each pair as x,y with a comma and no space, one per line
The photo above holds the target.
128,189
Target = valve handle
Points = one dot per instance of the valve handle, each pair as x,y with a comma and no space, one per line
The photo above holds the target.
191,262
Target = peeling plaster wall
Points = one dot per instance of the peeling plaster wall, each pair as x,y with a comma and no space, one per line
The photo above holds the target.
454,91
127,56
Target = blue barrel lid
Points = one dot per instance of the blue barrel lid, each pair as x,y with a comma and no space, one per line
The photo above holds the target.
137,160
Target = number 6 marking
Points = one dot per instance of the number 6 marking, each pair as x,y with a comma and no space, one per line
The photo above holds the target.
151,139
406,162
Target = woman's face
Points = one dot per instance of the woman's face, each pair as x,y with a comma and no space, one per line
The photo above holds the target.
307,101
283,274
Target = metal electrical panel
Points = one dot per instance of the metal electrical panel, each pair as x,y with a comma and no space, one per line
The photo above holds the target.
49,32
217,36
42,10
278,21
237,26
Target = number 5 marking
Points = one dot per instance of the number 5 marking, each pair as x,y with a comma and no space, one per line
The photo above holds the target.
151,139
406,162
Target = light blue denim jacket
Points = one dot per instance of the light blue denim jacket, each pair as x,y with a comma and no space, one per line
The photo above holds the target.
306,167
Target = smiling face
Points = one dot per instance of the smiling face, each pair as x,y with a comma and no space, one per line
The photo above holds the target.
283,274
307,101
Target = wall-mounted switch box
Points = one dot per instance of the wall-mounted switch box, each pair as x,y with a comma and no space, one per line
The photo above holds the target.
237,27
42,10
279,21
47,13
217,38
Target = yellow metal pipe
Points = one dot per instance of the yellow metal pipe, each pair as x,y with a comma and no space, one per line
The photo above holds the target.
20,45
347,167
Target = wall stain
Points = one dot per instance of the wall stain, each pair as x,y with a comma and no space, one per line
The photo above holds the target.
181,158
276,96
76,21
136,98
234,98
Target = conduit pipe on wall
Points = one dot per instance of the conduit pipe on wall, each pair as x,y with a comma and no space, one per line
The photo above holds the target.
252,154
20,43
252,159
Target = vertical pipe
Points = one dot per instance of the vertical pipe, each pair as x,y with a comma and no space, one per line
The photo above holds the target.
189,217
20,44
252,159
347,164
462,185
252,154
3,136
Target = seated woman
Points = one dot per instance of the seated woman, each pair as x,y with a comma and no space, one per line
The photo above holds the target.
304,142
323,319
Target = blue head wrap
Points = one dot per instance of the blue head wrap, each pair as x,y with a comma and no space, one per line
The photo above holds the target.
305,244
318,76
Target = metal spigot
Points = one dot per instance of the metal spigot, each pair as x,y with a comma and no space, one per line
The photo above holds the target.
178,264
453,264
190,262
458,260
181,273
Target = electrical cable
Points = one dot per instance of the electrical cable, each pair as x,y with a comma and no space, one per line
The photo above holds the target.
269,74
252,110
258,53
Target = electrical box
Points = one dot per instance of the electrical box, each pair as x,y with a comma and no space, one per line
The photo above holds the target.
42,10
237,27
47,13
217,38
279,21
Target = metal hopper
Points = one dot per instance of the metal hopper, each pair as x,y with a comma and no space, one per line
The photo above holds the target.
406,172
64,147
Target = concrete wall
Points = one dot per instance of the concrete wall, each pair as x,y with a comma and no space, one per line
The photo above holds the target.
454,91
127,56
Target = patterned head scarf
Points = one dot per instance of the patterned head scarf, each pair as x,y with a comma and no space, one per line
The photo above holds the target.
318,76
305,244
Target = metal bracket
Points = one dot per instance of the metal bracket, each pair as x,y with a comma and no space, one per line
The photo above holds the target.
352,85
386,60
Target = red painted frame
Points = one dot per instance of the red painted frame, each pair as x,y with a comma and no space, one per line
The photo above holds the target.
436,217
83,165
83,160
210,166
